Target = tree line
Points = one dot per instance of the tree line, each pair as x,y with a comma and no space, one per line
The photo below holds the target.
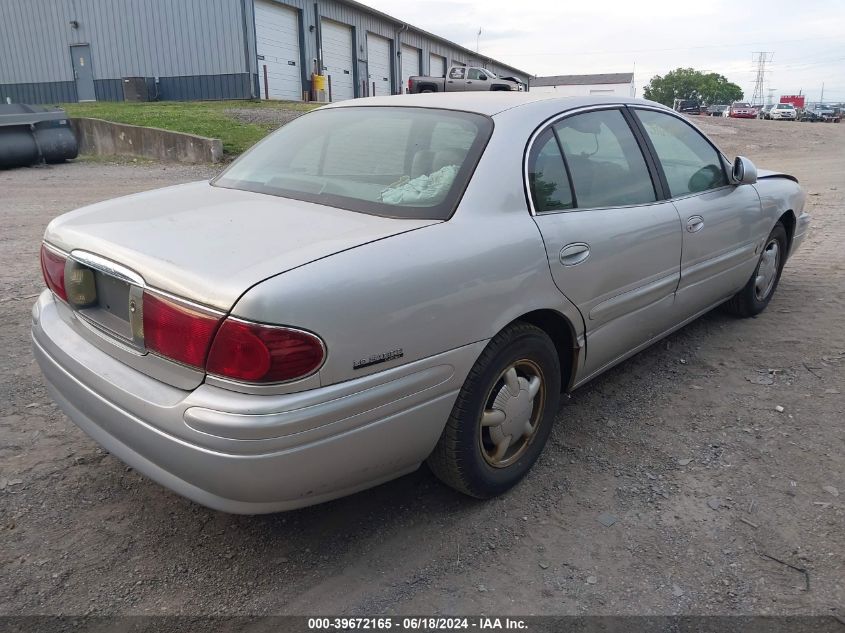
688,83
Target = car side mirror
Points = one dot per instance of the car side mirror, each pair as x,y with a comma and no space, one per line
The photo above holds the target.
483,77
744,172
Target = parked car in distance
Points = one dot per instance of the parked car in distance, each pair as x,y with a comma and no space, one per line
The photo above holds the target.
763,113
393,280
742,110
808,116
462,79
717,110
687,106
826,114
783,112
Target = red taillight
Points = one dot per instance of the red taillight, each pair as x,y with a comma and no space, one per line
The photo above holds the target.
177,331
53,268
263,353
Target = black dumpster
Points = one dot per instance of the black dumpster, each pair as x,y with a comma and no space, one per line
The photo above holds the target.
34,134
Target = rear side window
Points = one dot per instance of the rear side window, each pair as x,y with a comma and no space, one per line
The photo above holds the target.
389,161
604,160
547,177
690,163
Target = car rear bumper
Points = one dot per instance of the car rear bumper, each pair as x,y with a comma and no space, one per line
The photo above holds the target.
250,454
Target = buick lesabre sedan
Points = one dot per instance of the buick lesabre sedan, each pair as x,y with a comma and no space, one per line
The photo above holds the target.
395,280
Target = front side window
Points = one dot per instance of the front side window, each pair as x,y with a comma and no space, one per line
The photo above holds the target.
604,160
690,163
475,73
547,177
387,161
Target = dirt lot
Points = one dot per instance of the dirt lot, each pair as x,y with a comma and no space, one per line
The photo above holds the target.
681,445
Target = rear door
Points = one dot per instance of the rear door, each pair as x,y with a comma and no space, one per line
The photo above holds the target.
718,218
457,79
613,246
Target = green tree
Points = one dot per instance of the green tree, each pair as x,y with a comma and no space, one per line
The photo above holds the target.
688,83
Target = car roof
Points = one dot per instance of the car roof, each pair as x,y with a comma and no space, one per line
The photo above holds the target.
490,103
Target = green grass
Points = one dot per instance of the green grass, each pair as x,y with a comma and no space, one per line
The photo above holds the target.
205,118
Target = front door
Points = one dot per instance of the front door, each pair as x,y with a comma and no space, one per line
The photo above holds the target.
614,249
83,72
718,218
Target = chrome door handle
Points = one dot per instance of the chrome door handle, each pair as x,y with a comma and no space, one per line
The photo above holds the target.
695,224
574,254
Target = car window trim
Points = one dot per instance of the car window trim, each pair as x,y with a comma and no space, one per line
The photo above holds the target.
653,151
550,122
559,144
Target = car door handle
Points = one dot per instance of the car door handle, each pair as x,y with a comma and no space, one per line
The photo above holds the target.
695,224
574,254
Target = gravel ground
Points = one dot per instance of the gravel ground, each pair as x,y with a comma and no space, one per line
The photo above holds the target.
665,484
271,116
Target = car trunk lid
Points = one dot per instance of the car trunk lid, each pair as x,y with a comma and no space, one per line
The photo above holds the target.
203,244
210,244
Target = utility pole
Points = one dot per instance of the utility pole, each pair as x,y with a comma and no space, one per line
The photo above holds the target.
477,40
821,99
761,58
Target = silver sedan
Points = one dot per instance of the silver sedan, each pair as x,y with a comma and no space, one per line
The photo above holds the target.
395,280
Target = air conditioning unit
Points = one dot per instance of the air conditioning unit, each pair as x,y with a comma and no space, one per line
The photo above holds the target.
135,89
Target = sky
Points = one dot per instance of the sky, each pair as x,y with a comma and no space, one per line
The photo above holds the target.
805,38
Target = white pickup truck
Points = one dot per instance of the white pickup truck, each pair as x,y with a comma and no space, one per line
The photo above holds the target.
462,78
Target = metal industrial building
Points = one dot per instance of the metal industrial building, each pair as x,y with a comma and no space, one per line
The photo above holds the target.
55,51
621,84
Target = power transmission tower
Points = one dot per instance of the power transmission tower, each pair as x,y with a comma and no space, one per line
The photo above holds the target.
761,58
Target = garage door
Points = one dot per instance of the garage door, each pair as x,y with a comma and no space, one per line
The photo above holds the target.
436,65
337,59
378,65
277,44
410,64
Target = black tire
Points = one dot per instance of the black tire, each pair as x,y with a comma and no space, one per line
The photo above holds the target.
753,299
462,456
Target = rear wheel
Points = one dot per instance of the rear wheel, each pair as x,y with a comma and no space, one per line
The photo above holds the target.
503,414
755,296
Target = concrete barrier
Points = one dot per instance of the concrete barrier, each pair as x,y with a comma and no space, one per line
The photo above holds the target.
106,138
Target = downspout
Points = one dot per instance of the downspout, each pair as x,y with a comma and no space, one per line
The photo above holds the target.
398,71
252,76
319,34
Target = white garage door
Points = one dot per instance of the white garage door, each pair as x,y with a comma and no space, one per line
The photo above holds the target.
410,64
378,65
436,65
337,59
277,44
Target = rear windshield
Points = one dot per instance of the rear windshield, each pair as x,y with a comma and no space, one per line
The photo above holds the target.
394,162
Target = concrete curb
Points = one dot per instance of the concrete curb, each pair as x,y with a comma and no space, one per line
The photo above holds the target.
105,138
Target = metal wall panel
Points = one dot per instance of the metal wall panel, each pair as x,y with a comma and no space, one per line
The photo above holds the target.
128,38
46,92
